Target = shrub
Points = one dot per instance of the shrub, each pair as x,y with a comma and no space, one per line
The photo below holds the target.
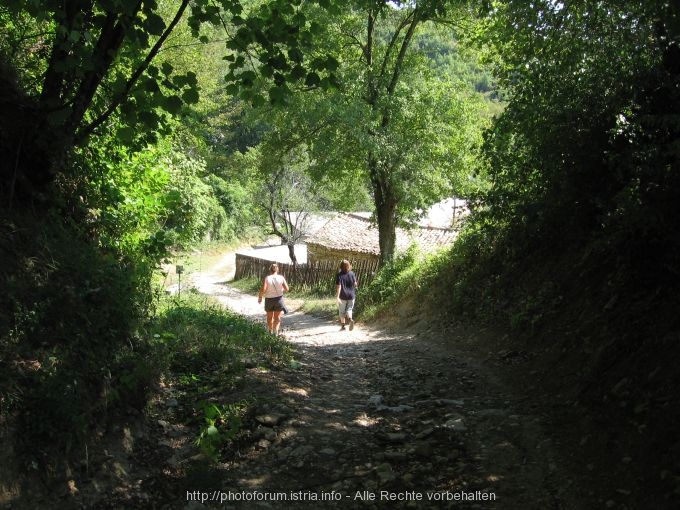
391,282
68,339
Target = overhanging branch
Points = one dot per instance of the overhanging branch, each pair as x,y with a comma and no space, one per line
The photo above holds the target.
122,96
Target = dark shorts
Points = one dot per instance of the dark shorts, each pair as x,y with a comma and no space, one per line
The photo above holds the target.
273,304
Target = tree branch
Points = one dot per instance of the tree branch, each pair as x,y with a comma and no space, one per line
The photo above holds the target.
53,81
188,45
108,44
89,129
370,28
357,42
405,43
393,42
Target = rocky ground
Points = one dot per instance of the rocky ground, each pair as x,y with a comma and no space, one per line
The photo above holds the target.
389,416
405,413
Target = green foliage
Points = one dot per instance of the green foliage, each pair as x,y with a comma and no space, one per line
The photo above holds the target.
580,159
122,196
391,284
72,348
280,36
194,213
67,339
142,202
236,202
222,423
395,126
205,349
447,50
82,66
198,331
574,248
249,284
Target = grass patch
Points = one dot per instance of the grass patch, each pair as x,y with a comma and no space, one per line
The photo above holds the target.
201,258
250,285
207,349
391,284
320,307
205,256
200,333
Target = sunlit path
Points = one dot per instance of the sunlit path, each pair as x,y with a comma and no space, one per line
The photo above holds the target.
371,411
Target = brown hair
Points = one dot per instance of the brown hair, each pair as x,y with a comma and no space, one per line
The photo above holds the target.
345,266
273,268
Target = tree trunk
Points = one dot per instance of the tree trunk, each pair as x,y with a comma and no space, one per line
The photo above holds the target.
387,234
291,252
385,210
380,88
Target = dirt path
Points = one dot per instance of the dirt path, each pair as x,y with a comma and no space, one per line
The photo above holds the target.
381,419
407,414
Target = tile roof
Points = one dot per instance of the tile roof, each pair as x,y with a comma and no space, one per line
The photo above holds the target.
356,233
432,238
348,232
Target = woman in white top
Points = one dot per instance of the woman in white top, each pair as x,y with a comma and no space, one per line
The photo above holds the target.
273,287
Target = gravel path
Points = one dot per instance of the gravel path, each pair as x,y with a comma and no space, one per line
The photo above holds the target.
404,414
384,419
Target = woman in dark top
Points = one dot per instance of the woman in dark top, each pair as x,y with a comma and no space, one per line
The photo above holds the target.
345,293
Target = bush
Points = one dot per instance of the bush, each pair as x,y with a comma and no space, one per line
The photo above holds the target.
68,348
391,283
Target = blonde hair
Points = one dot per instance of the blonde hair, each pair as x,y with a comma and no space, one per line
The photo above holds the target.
345,266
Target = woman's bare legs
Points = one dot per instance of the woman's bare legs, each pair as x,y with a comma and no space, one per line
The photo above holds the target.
270,321
276,321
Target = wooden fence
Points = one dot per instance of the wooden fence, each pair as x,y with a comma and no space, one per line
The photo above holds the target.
311,275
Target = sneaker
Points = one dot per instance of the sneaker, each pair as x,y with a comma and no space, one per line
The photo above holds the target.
351,324
342,328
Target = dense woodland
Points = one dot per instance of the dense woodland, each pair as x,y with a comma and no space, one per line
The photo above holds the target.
132,128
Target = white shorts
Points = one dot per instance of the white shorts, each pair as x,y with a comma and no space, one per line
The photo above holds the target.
345,307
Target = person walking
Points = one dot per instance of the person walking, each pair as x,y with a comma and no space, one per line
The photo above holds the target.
273,287
345,293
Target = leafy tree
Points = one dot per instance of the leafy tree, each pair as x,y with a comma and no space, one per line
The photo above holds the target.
287,195
588,139
83,62
578,239
401,167
194,213
275,47
381,112
235,200
73,73
77,69
126,194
